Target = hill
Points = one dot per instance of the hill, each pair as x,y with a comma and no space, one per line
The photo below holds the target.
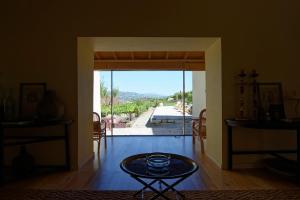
130,96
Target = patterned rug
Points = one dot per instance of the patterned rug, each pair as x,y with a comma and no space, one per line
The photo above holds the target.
125,195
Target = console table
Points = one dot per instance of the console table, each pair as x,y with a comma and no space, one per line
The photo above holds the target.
22,139
268,125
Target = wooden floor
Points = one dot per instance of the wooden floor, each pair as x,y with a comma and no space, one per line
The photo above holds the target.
104,173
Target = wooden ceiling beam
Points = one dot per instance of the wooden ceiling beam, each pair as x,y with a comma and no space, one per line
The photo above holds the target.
96,56
150,54
163,65
115,56
186,54
150,60
154,61
132,55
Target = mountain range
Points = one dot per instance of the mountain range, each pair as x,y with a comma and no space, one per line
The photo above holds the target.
130,96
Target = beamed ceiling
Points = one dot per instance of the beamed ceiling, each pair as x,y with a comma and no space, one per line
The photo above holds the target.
149,60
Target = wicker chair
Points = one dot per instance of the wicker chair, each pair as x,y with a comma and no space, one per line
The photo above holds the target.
99,130
199,128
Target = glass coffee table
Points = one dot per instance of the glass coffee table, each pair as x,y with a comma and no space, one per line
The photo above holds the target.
176,167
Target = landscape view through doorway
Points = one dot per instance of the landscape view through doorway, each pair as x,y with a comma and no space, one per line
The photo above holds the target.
146,102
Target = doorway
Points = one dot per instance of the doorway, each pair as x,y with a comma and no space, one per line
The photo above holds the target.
149,102
213,67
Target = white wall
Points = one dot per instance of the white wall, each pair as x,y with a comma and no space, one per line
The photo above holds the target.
199,92
214,102
85,56
97,95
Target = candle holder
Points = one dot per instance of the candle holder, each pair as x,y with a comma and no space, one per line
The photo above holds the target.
242,83
253,77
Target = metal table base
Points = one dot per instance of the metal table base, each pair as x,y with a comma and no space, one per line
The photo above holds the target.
160,192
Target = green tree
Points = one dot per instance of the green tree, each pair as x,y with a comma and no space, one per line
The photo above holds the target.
115,92
103,89
189,97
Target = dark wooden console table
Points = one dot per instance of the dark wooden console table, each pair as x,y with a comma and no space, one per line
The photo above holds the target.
268,125
22,139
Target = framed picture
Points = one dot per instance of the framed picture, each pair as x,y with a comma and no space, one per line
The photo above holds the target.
270,101
30,96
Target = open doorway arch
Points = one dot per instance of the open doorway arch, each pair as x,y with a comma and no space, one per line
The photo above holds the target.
212,48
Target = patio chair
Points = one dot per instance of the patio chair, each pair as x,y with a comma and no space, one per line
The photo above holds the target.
99,130
199,128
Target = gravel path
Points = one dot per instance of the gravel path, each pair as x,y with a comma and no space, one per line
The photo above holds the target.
142,120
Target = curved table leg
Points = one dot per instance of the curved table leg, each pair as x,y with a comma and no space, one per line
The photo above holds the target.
171,187
147,185
160,193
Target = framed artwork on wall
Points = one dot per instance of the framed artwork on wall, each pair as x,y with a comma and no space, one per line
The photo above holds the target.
270,101
30,96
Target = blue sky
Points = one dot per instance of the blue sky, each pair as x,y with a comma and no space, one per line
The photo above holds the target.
155,82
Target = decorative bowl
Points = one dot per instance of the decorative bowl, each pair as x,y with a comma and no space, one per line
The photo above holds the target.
158,162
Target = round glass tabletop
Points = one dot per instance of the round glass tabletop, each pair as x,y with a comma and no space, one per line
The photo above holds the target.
179,166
